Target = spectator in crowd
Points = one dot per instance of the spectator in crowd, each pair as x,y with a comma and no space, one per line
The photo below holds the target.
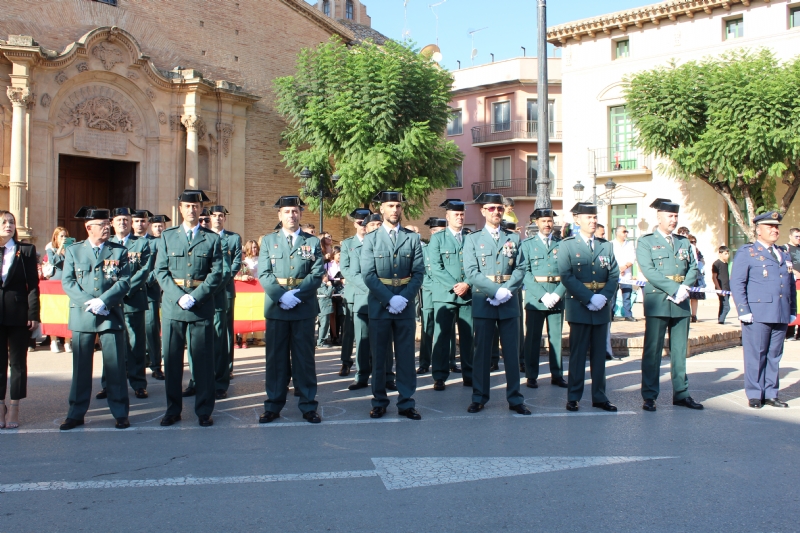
625,254
53,269
694,296
249,272
683,231
333,269
793,248
509,215
326,244
308,228
325,299
722,282
601,232
566,230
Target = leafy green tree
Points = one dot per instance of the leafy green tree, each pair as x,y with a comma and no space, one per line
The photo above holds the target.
374,115
732,122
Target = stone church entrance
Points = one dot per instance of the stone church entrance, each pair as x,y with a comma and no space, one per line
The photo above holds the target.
103,183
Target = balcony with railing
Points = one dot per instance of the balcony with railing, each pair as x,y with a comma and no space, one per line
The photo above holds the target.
514,188
620,161
512,131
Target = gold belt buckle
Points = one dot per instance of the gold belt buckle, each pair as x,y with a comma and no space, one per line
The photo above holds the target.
290,282
594,286
395,282
551,279
498,278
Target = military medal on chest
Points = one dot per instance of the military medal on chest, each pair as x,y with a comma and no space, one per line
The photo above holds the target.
765,272
604,262
509,249
111,268
134,257
683,254
307,252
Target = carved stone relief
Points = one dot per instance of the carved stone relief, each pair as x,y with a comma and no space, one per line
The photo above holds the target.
83,66
61,77
20,96
194,123
99,108
150,93
109,55
132,75
175,123
46,100
225,134
162,117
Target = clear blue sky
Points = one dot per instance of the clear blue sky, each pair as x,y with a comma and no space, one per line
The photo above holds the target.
510,23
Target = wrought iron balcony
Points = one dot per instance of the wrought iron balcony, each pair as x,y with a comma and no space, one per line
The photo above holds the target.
620,160
515,188
512,131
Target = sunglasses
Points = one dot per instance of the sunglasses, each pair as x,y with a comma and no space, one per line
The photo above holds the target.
493,208
205,219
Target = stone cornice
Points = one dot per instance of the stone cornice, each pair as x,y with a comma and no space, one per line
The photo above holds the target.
320,19
638,17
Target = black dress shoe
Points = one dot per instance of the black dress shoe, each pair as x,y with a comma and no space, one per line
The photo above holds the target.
531,383
572,406
189,391
649,405
377,412
422,370
438,385
220,394
520,409
231,376
168,420
411,413
755,404
102,395
494,367
358,385
605,406
122,423
688,402
267,417
522,368
206,421
474,407
345,370
455,369
630,319
775,402
559,382
391,385
609,357
70,423
312,417
141,393
296,393
467,382
158,374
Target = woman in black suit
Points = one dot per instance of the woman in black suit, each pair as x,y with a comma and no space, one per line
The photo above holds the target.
19,315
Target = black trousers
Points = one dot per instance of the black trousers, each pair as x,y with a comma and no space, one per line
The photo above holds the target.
14,351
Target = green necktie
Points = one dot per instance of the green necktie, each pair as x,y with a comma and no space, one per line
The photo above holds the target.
189,234
393,236
458,237
96,252
289,240
496,236
669,240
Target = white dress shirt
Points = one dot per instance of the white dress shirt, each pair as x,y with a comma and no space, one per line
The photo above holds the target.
292,235
624,253
8,257
194,230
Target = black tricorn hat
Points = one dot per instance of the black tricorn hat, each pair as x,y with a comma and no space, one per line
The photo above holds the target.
289,201
359,214
160,218
510,226
279,226
388,196
665,204
90,212
584,208
435,222
218,209
142,213
205,212
489,198
374,217
121,212
193,196
543,213
453,204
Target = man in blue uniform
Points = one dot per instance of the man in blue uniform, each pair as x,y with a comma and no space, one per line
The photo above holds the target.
763,289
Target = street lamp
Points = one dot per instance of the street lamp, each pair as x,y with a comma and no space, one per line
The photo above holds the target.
577,191
578,188
323,192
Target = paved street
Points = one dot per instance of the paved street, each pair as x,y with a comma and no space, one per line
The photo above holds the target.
728,468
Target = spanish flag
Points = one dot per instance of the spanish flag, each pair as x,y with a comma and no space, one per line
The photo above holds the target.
54,309
248,310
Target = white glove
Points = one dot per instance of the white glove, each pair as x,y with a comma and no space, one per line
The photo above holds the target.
398,303
681,294
592,307
493,301
598,300
95,305
555,298
288,300
747,319
546,300
102,311
503,295
186,302
392,310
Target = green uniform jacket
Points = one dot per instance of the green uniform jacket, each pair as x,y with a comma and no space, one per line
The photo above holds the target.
200,261
657,260
153,288
85,278
427,280
324,299
541,262
221,294
302,261
355,290
234,242
140,264
484,257
577,265
380,259
447,267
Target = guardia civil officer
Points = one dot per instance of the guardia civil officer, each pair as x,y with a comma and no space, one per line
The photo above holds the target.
426,295
452,296
355,296
669,266
141,221
393,269
189,268
544,299
96,278
590,275
290,270
763,289
495,274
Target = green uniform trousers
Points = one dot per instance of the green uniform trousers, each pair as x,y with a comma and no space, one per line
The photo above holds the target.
381,334
290,342
135,352
591,339
222,360
324,327
80,393
153,334
364,353
199,336
654,329
485,330
426,340
534,323
348,333
447,317
231,336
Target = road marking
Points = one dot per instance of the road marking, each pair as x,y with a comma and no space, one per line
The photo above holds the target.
396,473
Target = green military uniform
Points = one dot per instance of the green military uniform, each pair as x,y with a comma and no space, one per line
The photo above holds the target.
666,266
490,264
290,332
234,241
324,299
193,267
586,271
152,315
355,295
542,278
222,364
105,275
428,326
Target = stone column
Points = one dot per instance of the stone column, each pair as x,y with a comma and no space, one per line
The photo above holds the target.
195,130
20,98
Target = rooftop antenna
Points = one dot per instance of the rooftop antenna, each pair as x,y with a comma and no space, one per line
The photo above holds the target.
437,18
406,31
472,35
